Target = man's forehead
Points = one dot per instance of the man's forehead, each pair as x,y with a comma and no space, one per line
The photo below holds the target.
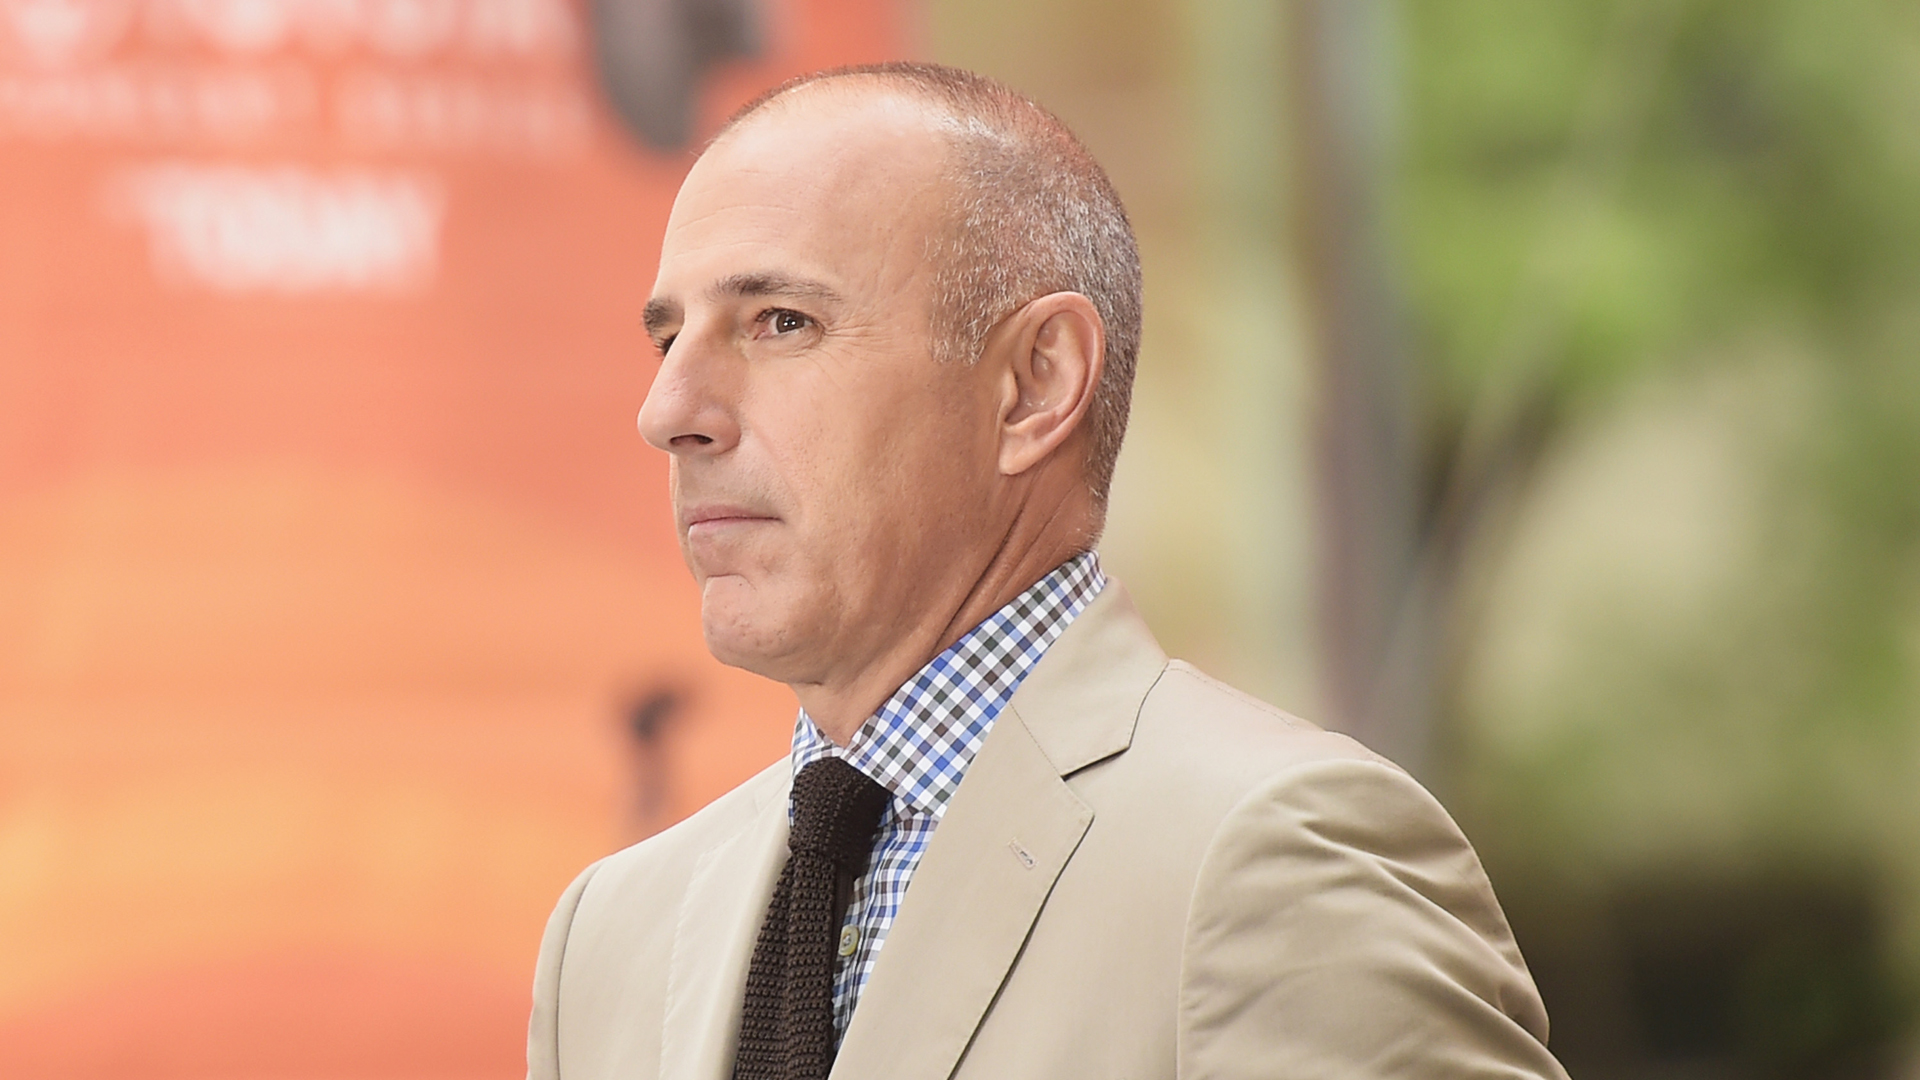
835,179
864,141
855,105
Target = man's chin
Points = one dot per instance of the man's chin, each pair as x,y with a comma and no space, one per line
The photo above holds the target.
746,636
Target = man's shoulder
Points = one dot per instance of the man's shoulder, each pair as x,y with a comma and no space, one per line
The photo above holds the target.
1128,726
683,844
1199,726
1205,758
620,912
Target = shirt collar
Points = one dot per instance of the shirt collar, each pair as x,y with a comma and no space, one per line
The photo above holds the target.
919,743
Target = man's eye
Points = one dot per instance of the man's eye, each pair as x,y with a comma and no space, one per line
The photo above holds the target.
786,322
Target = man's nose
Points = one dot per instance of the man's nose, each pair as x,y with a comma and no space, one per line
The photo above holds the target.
690,408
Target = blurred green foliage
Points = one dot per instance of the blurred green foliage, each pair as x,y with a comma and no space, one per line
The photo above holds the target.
1659,175
1663,261
1662,268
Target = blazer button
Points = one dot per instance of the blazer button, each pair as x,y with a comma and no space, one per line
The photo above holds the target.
849,940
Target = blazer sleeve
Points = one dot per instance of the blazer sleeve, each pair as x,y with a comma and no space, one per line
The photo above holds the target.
1341,926
543,1026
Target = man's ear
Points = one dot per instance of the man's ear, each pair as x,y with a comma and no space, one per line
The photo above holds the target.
1055,348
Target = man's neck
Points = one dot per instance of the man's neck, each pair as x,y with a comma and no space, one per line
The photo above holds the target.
840,709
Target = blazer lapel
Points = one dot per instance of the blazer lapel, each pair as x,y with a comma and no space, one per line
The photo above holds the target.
719,922
1005,838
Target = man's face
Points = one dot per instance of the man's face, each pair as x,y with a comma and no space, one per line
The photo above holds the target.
829,477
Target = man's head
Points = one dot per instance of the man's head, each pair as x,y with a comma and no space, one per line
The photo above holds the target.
898,310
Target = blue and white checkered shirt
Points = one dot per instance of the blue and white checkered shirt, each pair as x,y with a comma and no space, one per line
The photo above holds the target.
919,744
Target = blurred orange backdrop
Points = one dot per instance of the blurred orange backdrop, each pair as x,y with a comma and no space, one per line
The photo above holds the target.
334,583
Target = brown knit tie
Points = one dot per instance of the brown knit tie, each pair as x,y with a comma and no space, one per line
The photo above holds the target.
786,1024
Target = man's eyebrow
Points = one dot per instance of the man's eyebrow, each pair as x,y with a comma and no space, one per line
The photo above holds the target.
658,314
773,283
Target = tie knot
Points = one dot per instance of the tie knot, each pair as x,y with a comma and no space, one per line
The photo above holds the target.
836,811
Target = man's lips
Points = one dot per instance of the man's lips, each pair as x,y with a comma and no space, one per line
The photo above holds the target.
717,516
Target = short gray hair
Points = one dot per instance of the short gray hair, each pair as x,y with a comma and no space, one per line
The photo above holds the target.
1033,214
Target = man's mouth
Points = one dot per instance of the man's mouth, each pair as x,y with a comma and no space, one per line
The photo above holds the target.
710,517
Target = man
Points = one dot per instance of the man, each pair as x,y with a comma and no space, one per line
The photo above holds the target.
897,311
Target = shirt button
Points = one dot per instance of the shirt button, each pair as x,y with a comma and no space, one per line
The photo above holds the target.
849,940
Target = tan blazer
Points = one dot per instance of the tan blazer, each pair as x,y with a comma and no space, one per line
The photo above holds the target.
1145,874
